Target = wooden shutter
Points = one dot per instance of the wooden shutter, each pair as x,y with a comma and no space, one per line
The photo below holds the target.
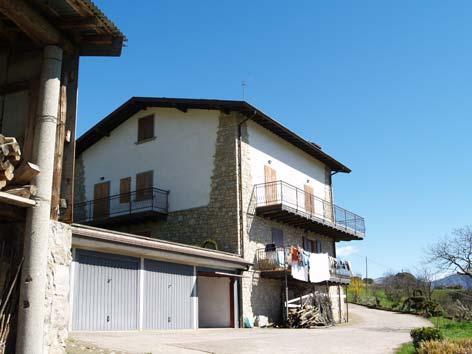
277,237
101,203
144,184
146,128
309,199
125,190
270,175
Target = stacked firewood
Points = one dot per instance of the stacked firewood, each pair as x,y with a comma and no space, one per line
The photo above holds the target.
15,174
314,313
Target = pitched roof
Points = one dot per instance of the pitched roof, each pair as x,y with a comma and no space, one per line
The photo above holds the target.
75,25
135,104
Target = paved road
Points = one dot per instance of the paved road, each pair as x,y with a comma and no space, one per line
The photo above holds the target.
369,331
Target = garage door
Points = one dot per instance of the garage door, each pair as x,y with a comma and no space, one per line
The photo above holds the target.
105,292
168,289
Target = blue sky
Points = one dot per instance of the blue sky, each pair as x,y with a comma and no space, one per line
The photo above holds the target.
383,86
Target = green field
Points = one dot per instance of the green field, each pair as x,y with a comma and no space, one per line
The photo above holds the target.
450,330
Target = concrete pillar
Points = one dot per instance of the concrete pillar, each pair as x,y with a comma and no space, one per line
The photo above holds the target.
30,334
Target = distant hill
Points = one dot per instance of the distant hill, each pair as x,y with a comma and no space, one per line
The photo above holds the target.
452,280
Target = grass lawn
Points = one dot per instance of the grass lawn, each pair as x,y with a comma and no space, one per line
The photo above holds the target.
449,328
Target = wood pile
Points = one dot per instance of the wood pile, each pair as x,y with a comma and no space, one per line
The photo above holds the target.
15,175
314,313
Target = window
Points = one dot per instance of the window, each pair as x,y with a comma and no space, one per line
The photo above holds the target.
308,245
318,248
145,128
125,190
277,237
144,184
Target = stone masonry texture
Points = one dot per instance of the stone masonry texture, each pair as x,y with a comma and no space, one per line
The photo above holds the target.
57,288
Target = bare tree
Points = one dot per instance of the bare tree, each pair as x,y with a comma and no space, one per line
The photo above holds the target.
424,281
454,252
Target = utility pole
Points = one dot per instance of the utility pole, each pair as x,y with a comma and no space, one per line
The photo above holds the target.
366,273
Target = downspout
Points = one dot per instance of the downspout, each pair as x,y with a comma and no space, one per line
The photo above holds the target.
31,313
241,215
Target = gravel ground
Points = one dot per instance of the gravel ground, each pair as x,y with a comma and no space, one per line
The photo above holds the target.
369,331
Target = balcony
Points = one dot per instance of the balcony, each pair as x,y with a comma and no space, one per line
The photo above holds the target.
135,206
274,263
288,204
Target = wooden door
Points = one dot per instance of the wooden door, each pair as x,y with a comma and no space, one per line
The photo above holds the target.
101,203
144,184
309,199
270,176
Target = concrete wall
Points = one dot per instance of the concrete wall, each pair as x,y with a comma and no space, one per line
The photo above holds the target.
57,299
181,156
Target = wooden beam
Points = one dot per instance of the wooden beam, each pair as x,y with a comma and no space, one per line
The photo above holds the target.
13,87
12,199
71,67
34,25
59,148
78,23
78,7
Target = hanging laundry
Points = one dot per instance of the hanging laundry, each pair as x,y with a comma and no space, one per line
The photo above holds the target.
306,258
281,257
295,254
299,271
319,267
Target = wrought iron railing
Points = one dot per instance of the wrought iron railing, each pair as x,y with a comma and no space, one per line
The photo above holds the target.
145,200
279,259
307,205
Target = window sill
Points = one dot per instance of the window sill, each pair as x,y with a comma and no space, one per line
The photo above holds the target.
145,140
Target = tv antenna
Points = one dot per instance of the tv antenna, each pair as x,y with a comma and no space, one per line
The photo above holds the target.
244,85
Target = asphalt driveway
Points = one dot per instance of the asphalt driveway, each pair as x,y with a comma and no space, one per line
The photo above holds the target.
369,331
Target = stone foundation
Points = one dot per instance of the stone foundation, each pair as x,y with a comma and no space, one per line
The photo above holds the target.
57,288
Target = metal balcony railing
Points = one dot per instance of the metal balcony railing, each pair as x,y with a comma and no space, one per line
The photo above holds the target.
151,200
307,205
279,259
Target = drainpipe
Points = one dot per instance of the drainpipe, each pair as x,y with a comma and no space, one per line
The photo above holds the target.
31,311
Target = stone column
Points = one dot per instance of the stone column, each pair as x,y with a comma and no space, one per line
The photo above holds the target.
33,277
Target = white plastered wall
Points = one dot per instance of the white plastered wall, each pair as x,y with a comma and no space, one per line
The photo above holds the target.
292,165
181,156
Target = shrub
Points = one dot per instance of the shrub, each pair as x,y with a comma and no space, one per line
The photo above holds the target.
460,346
424,334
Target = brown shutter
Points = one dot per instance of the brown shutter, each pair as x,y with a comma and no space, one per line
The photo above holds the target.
101,204
125,190
145,128
309,199
144,184
270,175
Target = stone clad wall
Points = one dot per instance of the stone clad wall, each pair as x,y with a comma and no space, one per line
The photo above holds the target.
57,288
